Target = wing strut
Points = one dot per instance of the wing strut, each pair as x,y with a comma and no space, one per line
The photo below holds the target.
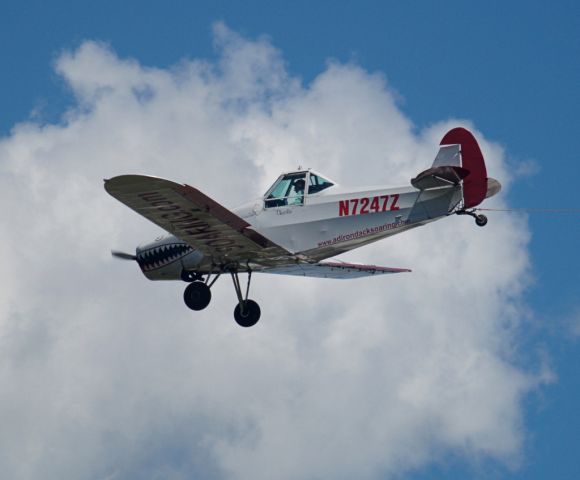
247,312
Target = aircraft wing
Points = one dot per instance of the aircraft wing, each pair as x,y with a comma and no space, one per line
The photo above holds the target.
196,219
333,270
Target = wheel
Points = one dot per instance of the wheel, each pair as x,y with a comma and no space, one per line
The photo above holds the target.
188,276
250,316
197,295
481,220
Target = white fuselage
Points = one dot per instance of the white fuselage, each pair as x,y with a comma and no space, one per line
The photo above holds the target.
328,223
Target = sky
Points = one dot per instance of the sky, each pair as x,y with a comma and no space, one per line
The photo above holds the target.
467,367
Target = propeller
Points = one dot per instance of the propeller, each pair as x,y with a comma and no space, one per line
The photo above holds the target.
123,255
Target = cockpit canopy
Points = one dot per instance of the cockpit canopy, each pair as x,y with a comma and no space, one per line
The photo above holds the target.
289,188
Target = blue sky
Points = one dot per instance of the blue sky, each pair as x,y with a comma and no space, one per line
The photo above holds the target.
511,68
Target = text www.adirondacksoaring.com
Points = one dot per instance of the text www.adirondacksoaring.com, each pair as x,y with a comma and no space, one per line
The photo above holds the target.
361,233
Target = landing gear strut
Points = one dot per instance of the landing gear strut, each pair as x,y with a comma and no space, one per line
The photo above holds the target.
197,296
247,312
480,219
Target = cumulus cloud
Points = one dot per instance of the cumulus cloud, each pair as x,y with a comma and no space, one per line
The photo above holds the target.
107,375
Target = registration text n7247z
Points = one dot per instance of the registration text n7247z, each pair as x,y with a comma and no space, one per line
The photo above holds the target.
364,205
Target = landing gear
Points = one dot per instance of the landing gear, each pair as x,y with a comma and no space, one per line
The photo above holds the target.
247,312
480,219
188,276
197,295
247,316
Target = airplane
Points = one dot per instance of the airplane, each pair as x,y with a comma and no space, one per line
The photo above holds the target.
303,219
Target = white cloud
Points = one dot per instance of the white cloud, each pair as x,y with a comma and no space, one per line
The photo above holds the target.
107,375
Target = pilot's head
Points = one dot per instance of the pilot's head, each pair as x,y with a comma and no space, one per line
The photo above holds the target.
299,185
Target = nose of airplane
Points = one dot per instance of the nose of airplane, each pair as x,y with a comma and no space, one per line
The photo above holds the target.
160,253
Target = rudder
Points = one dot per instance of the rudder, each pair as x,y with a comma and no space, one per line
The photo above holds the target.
475,184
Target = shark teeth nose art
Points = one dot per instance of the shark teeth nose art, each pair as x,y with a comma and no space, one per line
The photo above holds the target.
161,256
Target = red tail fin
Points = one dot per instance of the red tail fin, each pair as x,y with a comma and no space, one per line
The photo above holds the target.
475,183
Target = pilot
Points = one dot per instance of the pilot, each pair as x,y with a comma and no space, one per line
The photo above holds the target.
298,197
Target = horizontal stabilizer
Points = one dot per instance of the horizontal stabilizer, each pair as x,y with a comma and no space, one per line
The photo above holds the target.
333,270
442,176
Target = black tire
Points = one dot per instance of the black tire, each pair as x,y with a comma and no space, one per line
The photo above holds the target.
197,295
250,316
481,220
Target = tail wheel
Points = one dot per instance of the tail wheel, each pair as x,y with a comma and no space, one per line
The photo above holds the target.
197,295
247,316
480,220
